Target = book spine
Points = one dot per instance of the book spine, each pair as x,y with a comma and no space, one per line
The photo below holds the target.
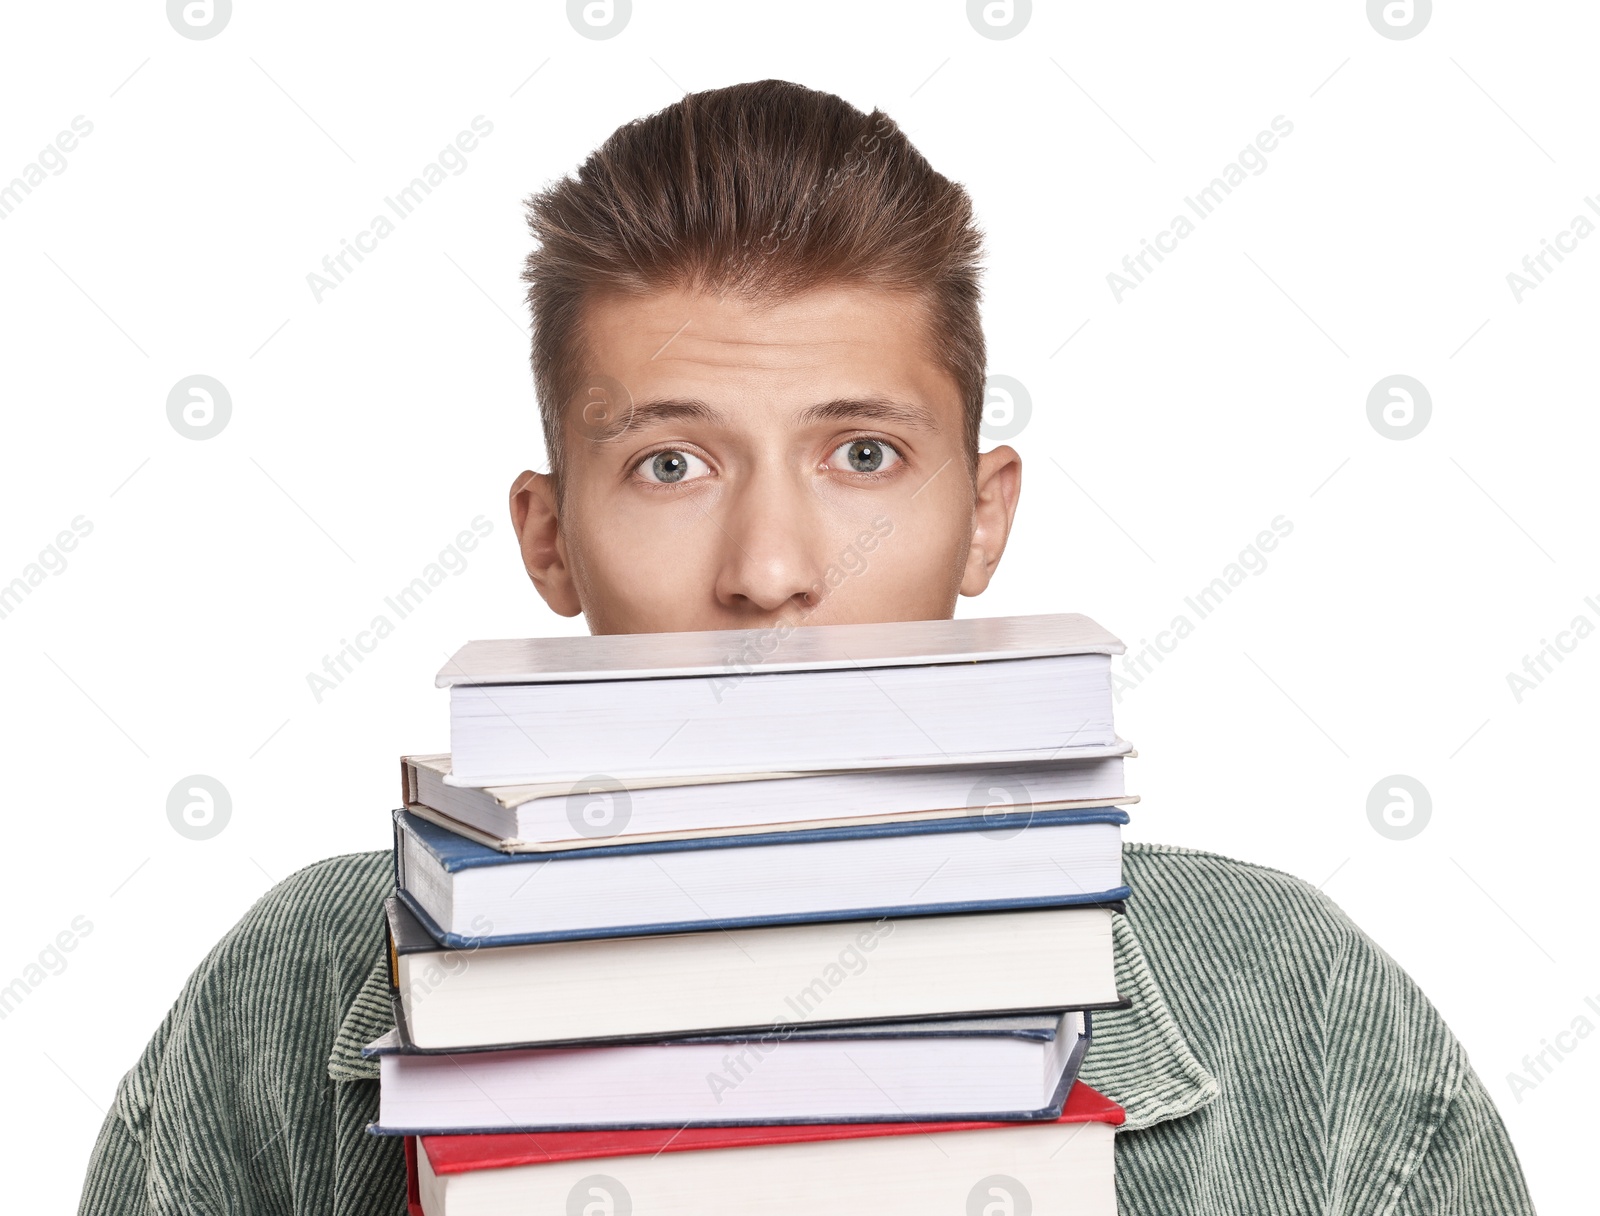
399,855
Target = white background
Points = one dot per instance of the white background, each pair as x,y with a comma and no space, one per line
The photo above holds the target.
371,427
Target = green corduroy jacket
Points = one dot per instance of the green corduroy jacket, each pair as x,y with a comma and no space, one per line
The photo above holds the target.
1273,1060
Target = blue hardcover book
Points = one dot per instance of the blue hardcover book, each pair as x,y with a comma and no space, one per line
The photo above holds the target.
468,895
1003,1068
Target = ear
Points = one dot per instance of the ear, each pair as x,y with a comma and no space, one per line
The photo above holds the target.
544,553
999,485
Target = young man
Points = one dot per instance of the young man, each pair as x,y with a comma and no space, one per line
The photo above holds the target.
757,338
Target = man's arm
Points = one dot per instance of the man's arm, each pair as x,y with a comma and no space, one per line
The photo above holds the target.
231,1107
1417,1133
164,1146
115,1185
1342,1090
1470,1168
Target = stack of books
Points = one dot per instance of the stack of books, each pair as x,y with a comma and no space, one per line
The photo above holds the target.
746,921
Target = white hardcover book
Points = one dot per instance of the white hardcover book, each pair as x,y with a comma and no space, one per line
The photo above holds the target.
807,699
994,1068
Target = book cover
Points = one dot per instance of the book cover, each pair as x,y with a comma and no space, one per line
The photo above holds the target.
456,853
406,936
645,656
1034,1027
462,1154
466,810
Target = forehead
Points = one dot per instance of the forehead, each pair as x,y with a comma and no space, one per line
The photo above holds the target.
813,344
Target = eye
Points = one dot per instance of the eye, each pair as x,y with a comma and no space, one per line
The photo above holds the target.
671,466
864,456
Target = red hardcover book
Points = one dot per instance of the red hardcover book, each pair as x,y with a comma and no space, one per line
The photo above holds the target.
413,1198
449,1159
460,1154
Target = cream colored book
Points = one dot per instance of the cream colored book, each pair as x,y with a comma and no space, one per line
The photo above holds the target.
670,985
551,816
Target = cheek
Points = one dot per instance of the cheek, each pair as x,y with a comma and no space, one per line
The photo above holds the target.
913,573
640,571
928,553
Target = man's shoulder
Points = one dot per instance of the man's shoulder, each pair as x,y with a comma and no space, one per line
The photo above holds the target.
330,886
1233,944
1260,1014
322,923
1209,885
338,898
1241,914
274,987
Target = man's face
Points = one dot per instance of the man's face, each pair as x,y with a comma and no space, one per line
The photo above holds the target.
798,461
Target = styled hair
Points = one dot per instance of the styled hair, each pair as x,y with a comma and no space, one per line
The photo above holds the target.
759,190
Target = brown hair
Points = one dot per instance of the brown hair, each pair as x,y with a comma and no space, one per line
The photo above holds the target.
760,189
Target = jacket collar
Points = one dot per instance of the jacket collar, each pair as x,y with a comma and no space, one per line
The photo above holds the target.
1139,1057
369,1017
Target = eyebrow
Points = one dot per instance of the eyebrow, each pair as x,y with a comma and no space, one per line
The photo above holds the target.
840,409
875,409
675,409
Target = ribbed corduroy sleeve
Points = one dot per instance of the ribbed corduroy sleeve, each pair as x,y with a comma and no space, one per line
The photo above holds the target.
231,1108
115,1185
1469,1168
1411,1129
1338,1087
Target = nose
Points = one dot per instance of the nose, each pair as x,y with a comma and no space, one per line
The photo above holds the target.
770,535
